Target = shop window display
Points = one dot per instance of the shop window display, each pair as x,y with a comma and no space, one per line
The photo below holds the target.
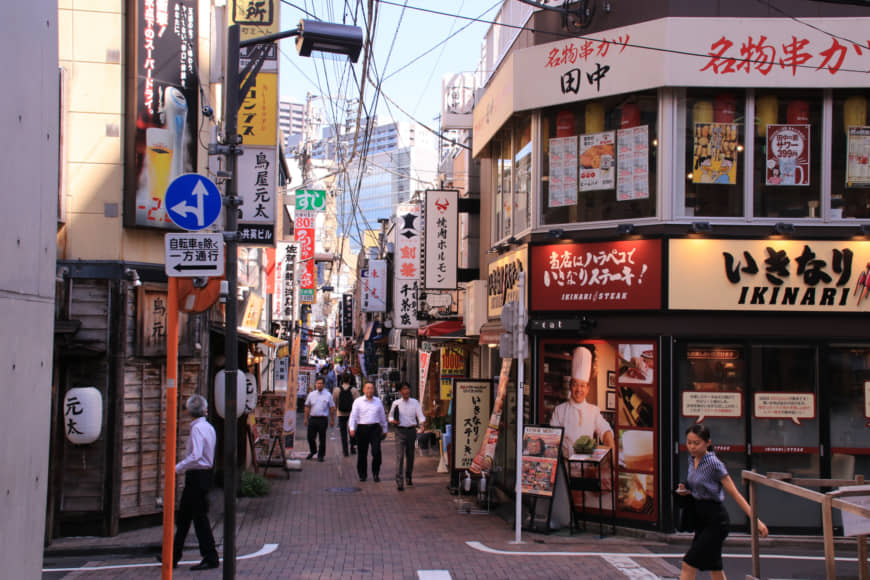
603,394
715,165
850,156
599,160
788,151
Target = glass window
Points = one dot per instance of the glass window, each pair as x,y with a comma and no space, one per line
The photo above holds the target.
599,160
523,173
714,375
714,135
847,381
850,156
787,165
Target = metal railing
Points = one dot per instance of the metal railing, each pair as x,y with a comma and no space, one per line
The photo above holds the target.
785,483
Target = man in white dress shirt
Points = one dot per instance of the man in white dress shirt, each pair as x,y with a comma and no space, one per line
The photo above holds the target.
319,408
576,416
368,423
197,468
407,415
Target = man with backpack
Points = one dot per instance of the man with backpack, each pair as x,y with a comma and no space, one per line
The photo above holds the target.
344,395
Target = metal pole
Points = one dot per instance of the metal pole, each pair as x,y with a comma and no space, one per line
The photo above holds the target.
231,338
520,334
167,552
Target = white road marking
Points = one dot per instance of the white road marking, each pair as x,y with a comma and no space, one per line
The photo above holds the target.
433,575
630,568
483,548
264,551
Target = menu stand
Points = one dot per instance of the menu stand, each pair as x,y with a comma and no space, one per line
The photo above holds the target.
593,484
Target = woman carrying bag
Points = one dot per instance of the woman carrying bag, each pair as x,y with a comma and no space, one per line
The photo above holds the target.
707,481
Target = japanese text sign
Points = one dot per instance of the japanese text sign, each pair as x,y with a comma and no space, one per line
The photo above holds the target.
374,290
258,113
310,199
502,282
620,275
408,246
284,299
304,233
255,17
788,155
783,275
793,406
257,174
442,239
704,404
472,405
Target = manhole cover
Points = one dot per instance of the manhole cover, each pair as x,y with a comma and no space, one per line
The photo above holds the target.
343,489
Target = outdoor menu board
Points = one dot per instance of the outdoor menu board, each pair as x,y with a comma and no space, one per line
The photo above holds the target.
268,427
472,405
540,459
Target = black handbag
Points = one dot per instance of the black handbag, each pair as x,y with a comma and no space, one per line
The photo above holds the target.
685,504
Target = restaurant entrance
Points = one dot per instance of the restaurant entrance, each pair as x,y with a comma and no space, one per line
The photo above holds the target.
800,408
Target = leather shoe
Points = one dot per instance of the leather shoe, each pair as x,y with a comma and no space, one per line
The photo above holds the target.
400,487
320,459
376,478
409,482
310,456
362,478
205,565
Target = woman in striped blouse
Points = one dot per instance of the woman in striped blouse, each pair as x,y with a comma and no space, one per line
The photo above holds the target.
707,481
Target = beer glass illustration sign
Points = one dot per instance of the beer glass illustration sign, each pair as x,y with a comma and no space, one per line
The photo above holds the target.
788,155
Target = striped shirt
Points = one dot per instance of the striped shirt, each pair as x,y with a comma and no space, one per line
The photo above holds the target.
705,482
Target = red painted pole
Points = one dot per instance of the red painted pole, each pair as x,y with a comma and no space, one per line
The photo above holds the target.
171,427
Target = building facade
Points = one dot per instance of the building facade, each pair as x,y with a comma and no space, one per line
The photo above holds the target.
686,185
30,176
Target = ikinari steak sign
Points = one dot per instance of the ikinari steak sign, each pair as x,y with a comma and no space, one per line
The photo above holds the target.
621,275
772,275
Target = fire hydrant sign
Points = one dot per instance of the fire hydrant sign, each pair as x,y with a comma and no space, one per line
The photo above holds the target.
194,255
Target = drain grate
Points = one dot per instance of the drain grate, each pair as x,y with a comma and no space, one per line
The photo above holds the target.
343,489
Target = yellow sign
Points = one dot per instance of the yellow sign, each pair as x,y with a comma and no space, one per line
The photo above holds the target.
255,17
253,310
769,275
258,115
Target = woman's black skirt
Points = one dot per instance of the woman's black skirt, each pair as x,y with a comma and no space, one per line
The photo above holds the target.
711,529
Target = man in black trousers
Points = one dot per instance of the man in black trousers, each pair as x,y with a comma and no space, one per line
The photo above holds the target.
197,467
368,423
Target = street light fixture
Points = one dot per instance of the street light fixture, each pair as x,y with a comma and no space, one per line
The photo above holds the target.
312,36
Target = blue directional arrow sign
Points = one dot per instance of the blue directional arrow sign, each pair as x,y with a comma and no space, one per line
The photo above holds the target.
193,202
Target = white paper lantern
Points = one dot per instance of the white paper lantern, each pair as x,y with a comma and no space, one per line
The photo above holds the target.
220,404
83,415
250,392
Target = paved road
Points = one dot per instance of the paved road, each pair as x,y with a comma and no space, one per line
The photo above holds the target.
328,525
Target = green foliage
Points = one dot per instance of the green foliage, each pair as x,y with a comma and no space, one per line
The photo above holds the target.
254,485
321,350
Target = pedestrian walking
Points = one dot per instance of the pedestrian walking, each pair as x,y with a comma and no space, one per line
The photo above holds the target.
344,395
407,415
707,481
368,423
197,467
319,408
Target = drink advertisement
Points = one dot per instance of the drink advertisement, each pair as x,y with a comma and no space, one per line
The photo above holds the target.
788,155
163,106
603,396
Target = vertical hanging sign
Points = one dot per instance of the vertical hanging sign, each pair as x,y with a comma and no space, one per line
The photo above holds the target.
406,280
284,300
308,203
442,239
374,287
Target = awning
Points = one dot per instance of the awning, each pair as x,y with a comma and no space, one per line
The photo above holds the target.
444,329
491,332
281,346
243,334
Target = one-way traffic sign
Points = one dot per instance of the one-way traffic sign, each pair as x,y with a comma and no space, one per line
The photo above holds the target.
194,255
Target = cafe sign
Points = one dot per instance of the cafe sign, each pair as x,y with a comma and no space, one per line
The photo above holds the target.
769,275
